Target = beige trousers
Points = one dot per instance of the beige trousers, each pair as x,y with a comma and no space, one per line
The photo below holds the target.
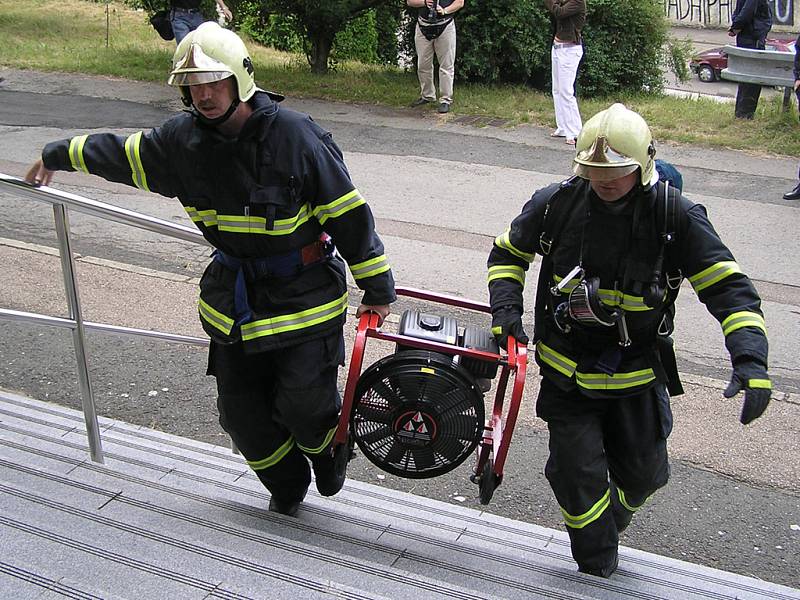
444,47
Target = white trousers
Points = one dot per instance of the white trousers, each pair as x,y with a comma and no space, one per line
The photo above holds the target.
565,61
445,49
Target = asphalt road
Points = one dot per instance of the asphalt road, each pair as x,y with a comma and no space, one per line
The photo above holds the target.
441,191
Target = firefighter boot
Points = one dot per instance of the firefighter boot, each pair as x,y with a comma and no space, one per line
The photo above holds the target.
330,469
287,482
604,572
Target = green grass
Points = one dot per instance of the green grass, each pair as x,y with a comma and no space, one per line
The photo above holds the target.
71,36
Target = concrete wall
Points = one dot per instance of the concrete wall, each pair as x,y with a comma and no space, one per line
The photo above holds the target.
717,13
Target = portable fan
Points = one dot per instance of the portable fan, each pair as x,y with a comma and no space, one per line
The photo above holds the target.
417,414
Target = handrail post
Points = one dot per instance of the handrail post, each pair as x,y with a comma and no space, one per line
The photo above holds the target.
78,336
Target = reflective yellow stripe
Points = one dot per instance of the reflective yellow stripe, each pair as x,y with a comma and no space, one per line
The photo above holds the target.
590,516
326,442
609,297
295,321
617,381
248,224
252,224
370,268
272,459
573,283
713,274
764,384
76,153
215,318
557,361
504,241
744,318
339,206
624,501
497,330
132,151
206,217
507,272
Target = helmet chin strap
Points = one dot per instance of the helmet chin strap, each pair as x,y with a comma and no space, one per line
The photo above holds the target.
219,120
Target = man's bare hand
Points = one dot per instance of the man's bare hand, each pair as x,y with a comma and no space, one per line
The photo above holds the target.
38,174
382,310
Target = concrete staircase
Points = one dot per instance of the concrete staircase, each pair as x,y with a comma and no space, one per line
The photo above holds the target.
171,518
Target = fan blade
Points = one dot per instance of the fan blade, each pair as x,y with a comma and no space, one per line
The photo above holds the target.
424,458
395,454
372,413
373,436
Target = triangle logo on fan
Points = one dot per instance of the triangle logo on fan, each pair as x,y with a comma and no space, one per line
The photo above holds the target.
409,426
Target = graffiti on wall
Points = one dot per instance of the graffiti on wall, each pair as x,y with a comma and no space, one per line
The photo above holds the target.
717,13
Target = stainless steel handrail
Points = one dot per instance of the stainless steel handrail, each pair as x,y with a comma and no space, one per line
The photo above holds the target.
61,201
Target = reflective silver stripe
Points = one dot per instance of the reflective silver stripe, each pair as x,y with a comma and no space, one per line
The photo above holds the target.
295,321
214,317
325,443
272,459
590,516
206,217
503,241
608,297
507,272
132,151
741,319
339,206
617,381
252,224
713,274
557,361
76,153
370,268
624,501
568,287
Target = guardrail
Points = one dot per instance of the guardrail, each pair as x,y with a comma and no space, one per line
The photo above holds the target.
763,67
61,201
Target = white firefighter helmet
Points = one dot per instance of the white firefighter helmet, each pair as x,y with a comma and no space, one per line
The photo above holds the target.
212,53
613,143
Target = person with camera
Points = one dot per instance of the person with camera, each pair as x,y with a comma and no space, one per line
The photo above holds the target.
435,34
565,56
616,244
269,190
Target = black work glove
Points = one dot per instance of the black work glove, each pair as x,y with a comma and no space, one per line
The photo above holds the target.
507,321
750,375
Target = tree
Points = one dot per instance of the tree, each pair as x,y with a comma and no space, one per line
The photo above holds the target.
319,20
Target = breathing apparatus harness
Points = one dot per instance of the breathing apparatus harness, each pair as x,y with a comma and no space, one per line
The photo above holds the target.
583,309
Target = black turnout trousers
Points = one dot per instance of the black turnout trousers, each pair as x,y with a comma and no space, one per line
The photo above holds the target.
271,401
599,447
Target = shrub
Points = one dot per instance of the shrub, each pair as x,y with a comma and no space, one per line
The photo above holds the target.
509,42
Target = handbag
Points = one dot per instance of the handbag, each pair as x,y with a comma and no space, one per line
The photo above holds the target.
161,23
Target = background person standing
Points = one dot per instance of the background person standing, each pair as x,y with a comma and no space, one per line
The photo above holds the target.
565,56
185,16
435,34
795,193
750,23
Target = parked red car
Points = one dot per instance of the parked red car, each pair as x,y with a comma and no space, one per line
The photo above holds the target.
709,64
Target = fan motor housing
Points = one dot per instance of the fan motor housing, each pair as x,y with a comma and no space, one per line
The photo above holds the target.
419,413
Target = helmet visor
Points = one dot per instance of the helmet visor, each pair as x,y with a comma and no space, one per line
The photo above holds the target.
196,67
605,173
601,162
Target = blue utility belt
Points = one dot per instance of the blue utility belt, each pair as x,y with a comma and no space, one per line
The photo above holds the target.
279,265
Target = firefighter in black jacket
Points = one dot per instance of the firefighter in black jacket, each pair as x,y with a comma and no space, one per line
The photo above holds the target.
269,190
615,244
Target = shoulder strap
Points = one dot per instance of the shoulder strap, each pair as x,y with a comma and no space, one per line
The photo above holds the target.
555,215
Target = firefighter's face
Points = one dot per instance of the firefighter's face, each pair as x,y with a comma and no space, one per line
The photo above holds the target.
213,99
614,189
